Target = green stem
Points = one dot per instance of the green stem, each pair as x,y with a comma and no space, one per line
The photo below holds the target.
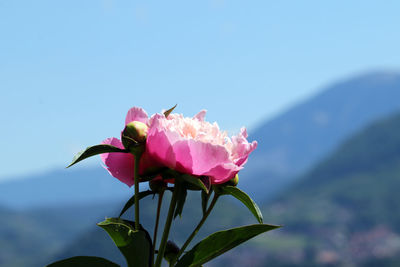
136,179
196,230
167,226
160,199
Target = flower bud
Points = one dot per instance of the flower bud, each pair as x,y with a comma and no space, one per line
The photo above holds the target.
134,136
234,181
136,130
171,251
157,186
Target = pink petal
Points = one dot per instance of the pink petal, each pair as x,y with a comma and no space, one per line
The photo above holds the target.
136,114
243,132
199,158
183,157
223,173
158,146
241,147
119,165
246,150
201,115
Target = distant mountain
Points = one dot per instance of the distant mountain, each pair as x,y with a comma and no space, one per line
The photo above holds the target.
293,142
345,211
13,232
62,187
30,238
95,242
39,236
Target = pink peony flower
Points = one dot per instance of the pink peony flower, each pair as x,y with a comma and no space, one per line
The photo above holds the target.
197,147
121,165
187,145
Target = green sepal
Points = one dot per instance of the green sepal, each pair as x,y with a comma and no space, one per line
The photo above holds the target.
134,244
181,199
95,150
83,261
151,173
242,197
206,180
197,182
131,201
169,111
204,200
190,182
220,242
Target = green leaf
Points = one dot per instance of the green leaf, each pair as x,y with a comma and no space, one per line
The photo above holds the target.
220,242
169,111
131,201
244,198
181,198
95,150
83,261
135,245
197,182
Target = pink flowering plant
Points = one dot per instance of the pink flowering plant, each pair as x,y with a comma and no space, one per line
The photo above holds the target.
178,154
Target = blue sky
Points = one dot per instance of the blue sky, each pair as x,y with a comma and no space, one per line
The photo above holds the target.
70,70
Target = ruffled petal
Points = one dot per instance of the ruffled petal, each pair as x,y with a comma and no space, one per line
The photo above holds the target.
119,165
243,132
201,115
242,148
247,148
136,114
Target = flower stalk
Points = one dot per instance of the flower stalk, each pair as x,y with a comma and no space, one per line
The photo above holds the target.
196,230
136,179
167,226
160,199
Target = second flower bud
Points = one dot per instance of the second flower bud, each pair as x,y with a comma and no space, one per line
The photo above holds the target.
134,136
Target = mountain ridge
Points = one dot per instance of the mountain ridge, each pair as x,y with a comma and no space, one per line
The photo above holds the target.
347,205
62,187
292,142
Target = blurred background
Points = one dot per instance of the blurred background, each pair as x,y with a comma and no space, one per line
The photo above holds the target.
316,83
